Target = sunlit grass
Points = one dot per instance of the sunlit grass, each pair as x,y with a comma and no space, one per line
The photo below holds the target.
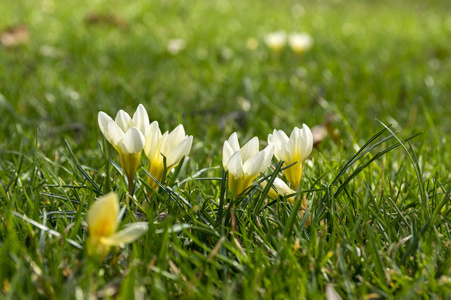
377,218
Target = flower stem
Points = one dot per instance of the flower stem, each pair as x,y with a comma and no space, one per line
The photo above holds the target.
130,185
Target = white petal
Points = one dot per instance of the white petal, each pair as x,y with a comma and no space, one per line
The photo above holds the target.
270,138
282,188
307,138
123,120
233,142
165,147
269,151
286,156
249,149
253,165
176,136
116,134
282,136
103,120
126,236
292,146
141,119
235,165
170,140
273,138
276,40
152,140
227,152
300,42
178,152
102,215
133,141
279,140
295,134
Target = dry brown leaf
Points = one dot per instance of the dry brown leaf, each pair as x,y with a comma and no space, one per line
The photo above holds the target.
319,133
14,36
105,19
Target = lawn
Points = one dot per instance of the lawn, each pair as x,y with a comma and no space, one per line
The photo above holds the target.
376,83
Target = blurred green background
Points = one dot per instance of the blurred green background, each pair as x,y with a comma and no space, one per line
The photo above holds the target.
370,60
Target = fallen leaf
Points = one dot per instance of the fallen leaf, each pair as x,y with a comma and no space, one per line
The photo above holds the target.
105,19
319,133
239,117
331,293
14,36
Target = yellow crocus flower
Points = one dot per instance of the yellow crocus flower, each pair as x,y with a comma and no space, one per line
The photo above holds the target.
102,225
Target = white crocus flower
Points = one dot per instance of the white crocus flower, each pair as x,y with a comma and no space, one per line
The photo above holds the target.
102,225
175,46
279,188
300,42
246,163
276,40
294,149
127,135
173,146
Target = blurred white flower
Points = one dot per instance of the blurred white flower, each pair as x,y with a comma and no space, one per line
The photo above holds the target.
175,46
294,149
173,146
102,225
276,40
300,42
127,135
244,164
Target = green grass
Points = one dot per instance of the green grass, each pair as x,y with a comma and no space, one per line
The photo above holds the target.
380,220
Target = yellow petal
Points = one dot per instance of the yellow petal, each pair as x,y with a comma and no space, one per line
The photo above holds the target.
294,174
156,168
130,164
102,216
102,222
240,184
